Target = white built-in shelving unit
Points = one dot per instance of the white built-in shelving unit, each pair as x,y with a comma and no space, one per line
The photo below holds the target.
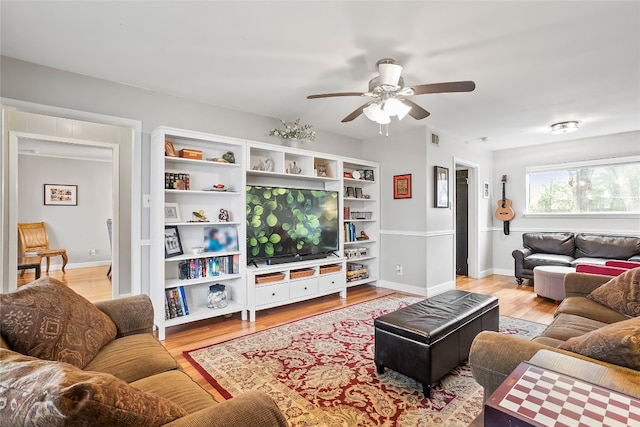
361,219
257,286
203,175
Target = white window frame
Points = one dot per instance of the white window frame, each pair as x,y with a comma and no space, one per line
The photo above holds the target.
575,165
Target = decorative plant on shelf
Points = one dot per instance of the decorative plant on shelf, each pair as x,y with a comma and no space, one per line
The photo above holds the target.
294,131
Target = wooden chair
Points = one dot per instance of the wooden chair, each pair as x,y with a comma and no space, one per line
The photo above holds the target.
34,240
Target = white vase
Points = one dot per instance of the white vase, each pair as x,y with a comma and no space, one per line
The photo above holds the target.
292,142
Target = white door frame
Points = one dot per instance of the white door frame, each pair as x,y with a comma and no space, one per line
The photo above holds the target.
14,141
136,174
474,226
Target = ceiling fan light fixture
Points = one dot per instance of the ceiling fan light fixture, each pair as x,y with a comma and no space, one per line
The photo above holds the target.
395,107
564,127
375,113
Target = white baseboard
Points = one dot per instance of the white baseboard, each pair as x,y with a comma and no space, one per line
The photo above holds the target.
429,292
402,287
485,273
443,287
73,266
503,272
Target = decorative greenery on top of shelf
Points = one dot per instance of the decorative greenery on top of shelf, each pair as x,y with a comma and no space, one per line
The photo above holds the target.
294,131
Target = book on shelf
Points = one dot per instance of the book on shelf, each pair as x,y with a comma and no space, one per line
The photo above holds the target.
177,181
350,232
183,296
176,303
198,268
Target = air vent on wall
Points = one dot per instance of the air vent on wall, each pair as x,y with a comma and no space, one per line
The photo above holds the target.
435,139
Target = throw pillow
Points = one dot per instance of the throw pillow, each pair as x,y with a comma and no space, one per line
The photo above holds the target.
48,320
618,343
36,392
622,293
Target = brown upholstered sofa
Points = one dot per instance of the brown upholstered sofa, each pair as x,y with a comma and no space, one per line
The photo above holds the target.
134,366
494,356
569,250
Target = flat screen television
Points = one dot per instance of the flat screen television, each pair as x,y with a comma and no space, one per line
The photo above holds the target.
291,222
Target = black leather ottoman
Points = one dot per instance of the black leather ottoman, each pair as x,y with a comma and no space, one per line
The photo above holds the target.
428,339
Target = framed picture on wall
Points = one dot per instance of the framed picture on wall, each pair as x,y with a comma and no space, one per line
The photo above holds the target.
402,186
441,179
485,190
60,195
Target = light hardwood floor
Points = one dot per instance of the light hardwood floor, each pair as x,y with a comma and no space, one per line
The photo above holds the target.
515,301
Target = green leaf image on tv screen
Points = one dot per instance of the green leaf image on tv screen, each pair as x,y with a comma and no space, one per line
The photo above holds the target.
290,221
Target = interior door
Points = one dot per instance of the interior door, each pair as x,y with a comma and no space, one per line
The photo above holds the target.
462,222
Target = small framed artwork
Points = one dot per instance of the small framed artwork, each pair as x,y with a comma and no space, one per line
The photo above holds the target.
368,175
322,171
485,190
402,186
171,213
351,193
220,238
60,195
358,193
169,149
172,243
441,179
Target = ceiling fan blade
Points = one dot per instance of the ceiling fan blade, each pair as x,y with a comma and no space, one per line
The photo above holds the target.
329,95
417,112
355,113
465,86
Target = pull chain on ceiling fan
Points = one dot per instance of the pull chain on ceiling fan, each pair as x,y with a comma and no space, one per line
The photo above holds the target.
389,95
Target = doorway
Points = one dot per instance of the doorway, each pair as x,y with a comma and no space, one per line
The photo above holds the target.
462,222
90,168
466,218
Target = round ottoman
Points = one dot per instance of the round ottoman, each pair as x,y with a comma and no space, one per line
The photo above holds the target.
548,281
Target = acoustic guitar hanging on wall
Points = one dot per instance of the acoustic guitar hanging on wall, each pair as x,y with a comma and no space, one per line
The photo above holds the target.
504,212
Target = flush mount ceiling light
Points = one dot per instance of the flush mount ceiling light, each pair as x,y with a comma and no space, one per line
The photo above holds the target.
564,127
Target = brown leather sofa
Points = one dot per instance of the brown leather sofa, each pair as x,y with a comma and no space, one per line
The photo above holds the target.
568,250
130,375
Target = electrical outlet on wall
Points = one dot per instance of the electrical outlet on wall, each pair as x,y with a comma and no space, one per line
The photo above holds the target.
399,269
92,252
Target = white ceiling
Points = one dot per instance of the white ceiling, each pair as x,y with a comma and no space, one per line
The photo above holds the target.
534,62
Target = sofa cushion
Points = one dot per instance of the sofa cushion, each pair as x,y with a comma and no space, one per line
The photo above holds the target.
621,293
48,320
179,388
550,243
133,357
567,326
45,393
540,259
618,343
588,261
589,309
611,247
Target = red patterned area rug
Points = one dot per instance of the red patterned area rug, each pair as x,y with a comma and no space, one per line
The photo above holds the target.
320,372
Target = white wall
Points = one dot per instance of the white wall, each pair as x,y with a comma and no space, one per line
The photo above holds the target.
414,233
78,229
514,162
34,83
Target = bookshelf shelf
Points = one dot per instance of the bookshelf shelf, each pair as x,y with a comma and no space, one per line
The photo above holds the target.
172,283
200,256
201,312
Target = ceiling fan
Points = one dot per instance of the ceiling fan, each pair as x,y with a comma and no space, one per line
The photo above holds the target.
389,95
